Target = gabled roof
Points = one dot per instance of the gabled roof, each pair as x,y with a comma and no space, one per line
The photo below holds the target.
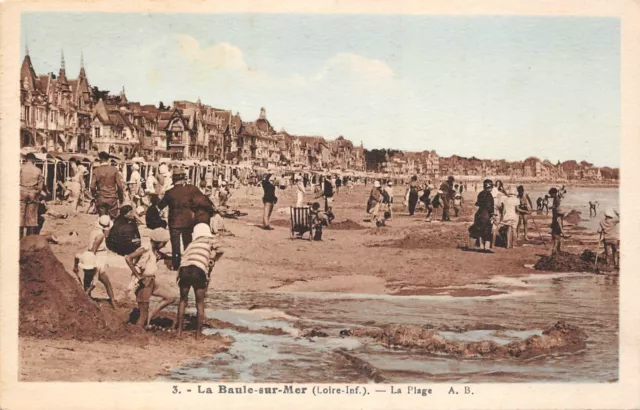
264,125
42,83
27,71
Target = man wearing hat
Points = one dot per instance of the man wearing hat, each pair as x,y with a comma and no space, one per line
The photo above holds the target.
107,187
610,236
181,201
31,184
135,183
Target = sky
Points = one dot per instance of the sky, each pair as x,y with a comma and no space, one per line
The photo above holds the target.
504,87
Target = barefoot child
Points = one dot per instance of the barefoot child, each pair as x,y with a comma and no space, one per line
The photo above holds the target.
195,272
146,285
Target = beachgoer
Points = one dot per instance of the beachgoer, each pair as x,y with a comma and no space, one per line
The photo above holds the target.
482,228
135,184
457,203
545,203
319,219
151,183
539,204
107,187
145,285
373,204
411,194
557,222
195,272
300,191
388,191
31,185
524,209
498,197
269,199
592,208
447,196
95,267
426,200
327,194
223,195
181,200
510,216
208,177
610,236
338,184
93,271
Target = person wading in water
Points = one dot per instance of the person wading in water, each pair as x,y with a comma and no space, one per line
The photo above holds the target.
524,209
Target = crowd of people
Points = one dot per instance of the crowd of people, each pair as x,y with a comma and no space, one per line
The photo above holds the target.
188,217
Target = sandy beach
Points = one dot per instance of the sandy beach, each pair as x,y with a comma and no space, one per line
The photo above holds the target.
408,257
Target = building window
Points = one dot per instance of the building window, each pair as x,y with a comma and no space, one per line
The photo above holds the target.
97,132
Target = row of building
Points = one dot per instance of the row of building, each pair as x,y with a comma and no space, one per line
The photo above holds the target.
68,115
429,163
62,114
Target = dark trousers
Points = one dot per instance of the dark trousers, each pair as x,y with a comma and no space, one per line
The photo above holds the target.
175,234
413,201
445,212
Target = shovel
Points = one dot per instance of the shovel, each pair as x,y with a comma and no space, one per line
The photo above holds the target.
597,253
539,234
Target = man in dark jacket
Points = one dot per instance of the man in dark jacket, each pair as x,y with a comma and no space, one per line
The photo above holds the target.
181,200
107,187
327,193
448,193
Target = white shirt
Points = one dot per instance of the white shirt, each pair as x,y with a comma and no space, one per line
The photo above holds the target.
151,183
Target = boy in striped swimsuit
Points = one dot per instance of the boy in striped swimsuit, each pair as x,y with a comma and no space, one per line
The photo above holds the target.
195,272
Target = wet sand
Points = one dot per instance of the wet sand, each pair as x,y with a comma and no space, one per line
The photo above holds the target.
408,257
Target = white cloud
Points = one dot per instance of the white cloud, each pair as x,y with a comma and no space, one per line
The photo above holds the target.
354,65
217,56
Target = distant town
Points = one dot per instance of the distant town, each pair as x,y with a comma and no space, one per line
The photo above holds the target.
60,114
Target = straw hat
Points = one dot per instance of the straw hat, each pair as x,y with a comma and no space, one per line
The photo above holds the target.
201,230
104,222
178,173
376,184
609,213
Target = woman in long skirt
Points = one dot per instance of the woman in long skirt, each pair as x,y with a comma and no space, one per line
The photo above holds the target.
482,221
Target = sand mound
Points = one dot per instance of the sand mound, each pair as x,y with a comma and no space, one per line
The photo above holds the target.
347,224
560,337
52,303
573,217
566,262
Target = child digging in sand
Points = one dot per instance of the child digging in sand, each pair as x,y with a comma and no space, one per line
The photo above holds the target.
195,272
146,285
609,235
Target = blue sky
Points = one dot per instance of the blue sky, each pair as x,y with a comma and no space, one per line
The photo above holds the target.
493,87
